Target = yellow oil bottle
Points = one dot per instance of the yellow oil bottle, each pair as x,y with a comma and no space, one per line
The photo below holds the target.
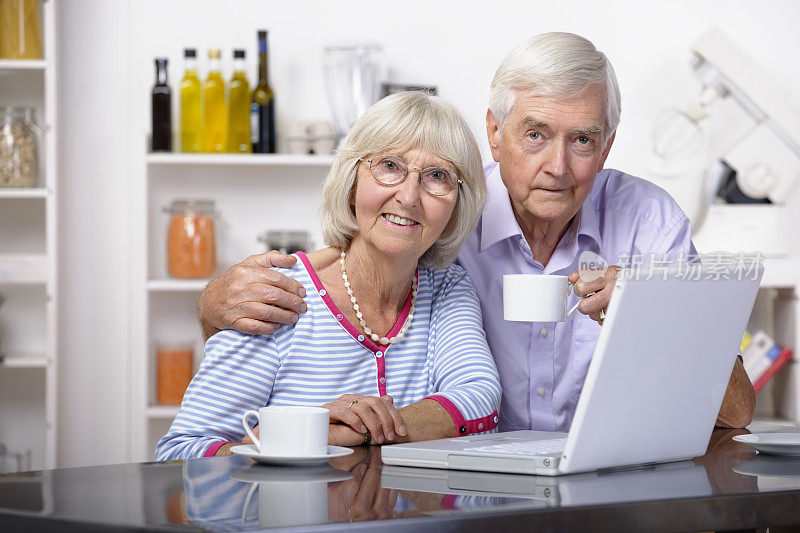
191,105
239,107
215,120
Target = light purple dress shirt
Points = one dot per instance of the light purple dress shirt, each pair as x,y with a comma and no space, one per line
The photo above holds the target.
542,366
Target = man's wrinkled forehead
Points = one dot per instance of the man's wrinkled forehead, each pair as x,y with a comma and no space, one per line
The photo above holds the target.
531,122
584,112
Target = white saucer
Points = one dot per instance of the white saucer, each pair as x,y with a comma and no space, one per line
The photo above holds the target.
772,443
301,474
770,466
248,450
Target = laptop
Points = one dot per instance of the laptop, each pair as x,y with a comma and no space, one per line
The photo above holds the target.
681,479
652,391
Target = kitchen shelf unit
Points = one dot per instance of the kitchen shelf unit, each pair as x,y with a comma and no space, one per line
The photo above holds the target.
777,312
35,192
28,225
260,160
253,193
8,66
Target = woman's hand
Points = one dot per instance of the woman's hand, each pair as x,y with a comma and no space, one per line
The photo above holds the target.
247,439
378,415
362,497
251,297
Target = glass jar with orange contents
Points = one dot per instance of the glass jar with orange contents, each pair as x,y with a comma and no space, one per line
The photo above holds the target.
173,372
191,248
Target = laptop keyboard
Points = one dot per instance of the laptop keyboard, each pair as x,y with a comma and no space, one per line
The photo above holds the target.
526,447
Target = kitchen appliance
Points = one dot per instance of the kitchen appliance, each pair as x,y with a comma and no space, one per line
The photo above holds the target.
760,161
286,241
311,137
352,77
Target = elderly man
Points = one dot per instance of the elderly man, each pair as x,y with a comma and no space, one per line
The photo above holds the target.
553,113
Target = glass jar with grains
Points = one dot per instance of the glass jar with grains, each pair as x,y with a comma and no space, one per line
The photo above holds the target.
19,140
191,249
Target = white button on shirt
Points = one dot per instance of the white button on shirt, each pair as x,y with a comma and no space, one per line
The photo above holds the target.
541,391
543,332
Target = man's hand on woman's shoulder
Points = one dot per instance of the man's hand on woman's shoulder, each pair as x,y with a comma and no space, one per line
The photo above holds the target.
251,297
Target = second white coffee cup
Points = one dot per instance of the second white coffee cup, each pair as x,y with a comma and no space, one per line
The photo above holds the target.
536,298
290,431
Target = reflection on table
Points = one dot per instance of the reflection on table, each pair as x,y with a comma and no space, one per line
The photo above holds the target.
233,493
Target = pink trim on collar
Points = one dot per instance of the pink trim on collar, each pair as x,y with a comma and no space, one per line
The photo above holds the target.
355,332
351,329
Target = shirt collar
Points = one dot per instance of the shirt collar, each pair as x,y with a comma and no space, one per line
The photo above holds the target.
587,221
499,223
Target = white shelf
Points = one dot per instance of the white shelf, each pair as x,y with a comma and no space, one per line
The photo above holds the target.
11,65
22,282
780,272
176,285
23,361
166,307
23,269
30,317
20,192
278,160
162,411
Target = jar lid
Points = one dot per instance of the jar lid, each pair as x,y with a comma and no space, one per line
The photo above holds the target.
22,111
203,206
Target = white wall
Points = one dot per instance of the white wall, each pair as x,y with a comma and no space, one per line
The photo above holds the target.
93,232
106,70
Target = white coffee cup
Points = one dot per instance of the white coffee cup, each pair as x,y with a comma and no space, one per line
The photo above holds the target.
293,501
289,430
536,298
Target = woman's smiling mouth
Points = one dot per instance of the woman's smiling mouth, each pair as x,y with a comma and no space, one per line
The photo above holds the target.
398,220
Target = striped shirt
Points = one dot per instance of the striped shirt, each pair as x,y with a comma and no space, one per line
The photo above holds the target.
443,356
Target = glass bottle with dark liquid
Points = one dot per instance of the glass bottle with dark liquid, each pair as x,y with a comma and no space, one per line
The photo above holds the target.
262,110
161,110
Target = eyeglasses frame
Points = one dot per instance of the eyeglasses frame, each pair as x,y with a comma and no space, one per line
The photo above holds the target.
408,171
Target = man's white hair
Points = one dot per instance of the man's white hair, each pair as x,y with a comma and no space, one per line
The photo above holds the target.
554,65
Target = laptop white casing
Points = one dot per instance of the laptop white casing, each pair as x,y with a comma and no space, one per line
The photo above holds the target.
653,389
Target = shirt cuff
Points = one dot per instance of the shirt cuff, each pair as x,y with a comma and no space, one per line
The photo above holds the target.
211,451
464,426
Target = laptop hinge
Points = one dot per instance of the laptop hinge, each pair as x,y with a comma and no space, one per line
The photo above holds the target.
521,464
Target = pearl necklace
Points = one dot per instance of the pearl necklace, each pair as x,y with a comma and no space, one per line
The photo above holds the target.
360,316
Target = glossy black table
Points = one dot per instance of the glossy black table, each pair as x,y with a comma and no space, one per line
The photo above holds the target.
730,487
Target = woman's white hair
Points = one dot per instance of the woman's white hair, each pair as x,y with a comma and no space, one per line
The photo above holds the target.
400,122
554,65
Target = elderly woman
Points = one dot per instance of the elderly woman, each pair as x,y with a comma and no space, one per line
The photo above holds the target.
392,342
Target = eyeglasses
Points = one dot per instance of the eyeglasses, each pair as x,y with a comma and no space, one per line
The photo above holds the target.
390,170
